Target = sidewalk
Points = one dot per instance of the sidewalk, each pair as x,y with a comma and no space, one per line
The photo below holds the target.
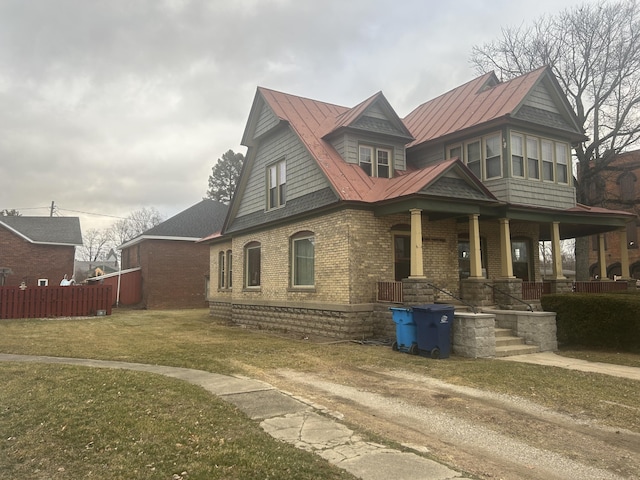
550,359
313,427
290,419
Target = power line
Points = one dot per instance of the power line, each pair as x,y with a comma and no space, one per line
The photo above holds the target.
56,208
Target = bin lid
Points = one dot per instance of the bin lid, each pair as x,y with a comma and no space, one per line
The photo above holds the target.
434,307
400,309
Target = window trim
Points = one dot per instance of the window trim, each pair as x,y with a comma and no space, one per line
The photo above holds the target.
485,155
247,249
222,285
279,168
372,168
541,162
521,156
298,237
478,161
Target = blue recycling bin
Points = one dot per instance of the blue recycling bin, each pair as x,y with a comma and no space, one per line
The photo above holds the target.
433,329
406,336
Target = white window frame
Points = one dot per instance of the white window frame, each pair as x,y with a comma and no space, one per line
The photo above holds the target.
547,160
43,282
562,165
531,140
276,184
477,161
486,158
519,155
248,283
451,148
300,237
369,160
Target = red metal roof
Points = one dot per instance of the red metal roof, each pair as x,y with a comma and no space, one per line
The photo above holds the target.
478,101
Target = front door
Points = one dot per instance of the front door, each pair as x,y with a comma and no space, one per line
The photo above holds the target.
402,256
520,257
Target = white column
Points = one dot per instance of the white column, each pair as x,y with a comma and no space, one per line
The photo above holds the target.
555,251
417,269
475,270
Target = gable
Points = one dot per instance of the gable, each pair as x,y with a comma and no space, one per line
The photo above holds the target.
454,187
266,121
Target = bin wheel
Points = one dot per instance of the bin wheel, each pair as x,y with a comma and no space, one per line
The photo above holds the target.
394,346
435,353
413,350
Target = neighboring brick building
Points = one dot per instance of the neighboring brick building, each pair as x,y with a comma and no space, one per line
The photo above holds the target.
335,204
618,187
38,250
174,266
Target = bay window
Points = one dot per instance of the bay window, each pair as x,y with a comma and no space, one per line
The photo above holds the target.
517,155
492,147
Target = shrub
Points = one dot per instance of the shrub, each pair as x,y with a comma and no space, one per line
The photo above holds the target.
596,320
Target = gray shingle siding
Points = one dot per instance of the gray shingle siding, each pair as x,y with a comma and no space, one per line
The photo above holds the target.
534,193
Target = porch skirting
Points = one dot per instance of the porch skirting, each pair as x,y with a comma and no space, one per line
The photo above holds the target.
327,320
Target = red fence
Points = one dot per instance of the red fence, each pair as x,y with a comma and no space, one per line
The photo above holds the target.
44,302
389,292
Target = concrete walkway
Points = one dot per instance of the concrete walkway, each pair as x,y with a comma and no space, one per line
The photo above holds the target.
311,427
293,420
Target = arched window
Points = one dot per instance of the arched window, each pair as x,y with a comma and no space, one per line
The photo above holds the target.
303,254
222,272
252,261
229,269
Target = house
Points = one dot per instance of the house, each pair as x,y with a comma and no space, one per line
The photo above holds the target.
617,186
337,206
174,266
38,250
87,269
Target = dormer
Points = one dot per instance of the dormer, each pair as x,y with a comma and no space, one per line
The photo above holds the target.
370,135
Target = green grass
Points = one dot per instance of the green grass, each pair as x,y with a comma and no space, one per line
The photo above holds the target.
70,407
61,422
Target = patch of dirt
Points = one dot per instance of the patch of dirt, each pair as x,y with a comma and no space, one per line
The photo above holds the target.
484,434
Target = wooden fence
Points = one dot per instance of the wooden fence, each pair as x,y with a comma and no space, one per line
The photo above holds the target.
389,292
46,302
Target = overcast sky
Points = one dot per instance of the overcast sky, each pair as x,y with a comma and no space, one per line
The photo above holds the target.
110,106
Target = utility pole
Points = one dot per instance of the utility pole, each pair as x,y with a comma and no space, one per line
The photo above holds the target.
52,208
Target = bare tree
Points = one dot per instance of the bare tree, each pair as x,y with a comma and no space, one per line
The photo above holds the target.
135,224
10,213
594,52
95,244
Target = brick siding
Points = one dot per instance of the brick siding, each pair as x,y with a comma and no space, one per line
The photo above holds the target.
30,262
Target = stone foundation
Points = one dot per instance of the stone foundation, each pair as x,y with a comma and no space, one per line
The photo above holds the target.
220,311
337,321
536,328
474,335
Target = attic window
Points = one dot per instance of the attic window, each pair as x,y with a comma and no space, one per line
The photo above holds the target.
276,185
376,162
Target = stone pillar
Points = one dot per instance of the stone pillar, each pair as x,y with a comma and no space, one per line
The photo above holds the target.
624,254
556,253
507,294
476,291
417,269
474,335
602,259
416,291
474,248
561,286
505,250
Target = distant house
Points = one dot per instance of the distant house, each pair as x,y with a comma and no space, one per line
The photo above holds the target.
174,266
617,187
38,250
338,206
86,269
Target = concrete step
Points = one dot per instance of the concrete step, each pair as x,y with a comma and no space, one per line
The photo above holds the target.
503,332
510,350
508,341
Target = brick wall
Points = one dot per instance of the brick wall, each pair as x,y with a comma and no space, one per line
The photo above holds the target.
173,273
30,262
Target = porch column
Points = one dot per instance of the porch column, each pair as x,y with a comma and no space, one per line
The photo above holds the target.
417,270
555,251
602,259
474,247
505,249
624,254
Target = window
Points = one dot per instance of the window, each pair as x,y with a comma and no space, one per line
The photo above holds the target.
276,184
43,282
229,269
252,265
222,274
561,163
455,151
533,158
492,156
376,162
547,160
627,187
517,155
303,259
473,158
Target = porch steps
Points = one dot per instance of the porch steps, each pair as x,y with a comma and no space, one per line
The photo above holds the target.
507,344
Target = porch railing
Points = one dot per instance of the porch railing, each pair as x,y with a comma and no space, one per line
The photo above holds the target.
535,290
389,292
599,287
